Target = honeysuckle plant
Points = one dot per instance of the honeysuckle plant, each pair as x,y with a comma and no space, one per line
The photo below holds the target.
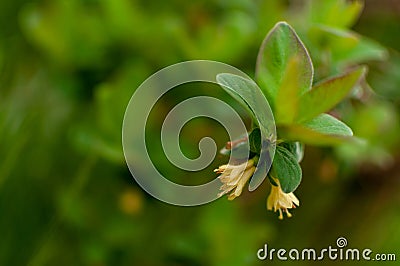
284,77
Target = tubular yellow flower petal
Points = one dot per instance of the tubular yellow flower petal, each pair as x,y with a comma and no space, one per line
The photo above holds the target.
234,178
241,183
281,201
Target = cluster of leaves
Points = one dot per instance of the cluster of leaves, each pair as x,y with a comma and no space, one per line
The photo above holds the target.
284,73
83,59
326,29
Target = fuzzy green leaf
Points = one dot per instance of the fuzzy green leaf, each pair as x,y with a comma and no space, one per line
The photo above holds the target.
278,48
328,125
249,93
296,148
322,130
287,169
327,94
287,98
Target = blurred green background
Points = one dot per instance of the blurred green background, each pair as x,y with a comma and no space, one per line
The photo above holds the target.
67,71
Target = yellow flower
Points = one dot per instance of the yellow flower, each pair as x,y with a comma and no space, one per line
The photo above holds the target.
281,201
234,177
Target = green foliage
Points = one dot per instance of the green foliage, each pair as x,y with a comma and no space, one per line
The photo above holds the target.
248,93
286,169
283,55
327,94
322,130
328,125
255,140
67,70
325,30
296,148
287,98
326,12
285,74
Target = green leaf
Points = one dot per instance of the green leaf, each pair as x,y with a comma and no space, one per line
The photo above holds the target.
322,130
365,50
338,13
247,92
287,169
296,148
277,50
231,89
345,46
255,140
287,98
337,40
327,94
328,125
